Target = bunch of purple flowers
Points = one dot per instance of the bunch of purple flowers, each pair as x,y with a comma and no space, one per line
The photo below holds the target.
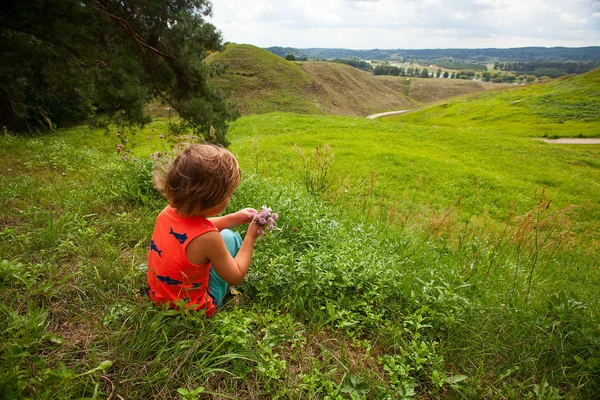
265,219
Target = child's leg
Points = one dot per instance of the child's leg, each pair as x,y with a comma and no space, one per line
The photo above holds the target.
216,285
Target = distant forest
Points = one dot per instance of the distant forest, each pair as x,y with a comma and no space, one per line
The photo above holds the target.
548,68
523,54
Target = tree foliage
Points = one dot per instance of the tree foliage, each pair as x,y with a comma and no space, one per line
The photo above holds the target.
356,63
67,60
386,69
552,69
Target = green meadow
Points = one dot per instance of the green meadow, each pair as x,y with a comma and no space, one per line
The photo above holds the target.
444,253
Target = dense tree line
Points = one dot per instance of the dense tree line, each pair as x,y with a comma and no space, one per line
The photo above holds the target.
291,57
545,68
359,64
387,69
65,61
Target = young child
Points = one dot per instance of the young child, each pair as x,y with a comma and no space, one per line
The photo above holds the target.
194,257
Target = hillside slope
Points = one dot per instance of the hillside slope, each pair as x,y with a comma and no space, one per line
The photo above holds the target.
261,82
344,90
572,102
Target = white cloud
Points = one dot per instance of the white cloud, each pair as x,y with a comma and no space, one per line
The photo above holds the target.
388,24
573,19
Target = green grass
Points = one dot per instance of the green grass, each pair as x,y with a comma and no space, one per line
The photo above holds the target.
388,290
420,169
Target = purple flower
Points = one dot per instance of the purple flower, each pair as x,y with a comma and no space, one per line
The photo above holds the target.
265,219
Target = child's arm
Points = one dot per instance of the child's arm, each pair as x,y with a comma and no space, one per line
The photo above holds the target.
211,246
230,220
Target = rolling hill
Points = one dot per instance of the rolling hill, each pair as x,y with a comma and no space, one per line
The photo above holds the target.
261,82
565,107
345,90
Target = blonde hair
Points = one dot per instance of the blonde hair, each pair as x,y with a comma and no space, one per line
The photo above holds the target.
200,178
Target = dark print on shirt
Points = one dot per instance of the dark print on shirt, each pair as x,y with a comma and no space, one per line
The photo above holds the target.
153,247
181,237
168,280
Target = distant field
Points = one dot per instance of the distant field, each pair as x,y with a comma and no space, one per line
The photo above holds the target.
428,90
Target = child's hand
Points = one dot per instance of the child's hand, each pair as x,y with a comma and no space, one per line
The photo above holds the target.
253,231
245,215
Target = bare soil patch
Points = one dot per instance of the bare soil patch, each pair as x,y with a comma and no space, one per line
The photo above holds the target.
387,114
572,141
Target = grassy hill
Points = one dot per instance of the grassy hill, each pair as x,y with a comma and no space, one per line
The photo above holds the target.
344,90
262,82
566,107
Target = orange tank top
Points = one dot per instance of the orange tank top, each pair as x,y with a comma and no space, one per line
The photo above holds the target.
171,276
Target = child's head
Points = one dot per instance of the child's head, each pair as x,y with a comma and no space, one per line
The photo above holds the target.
202,177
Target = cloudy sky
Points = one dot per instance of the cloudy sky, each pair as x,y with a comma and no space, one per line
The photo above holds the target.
409,24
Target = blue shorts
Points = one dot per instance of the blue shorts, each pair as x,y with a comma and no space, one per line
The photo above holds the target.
217,287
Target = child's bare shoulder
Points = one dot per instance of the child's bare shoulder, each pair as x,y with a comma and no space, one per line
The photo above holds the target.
200,247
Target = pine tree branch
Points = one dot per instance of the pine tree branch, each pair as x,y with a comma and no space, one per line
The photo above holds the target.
143,45
105,8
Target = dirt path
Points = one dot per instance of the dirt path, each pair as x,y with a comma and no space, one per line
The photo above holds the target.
572,141
385,114
557,141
